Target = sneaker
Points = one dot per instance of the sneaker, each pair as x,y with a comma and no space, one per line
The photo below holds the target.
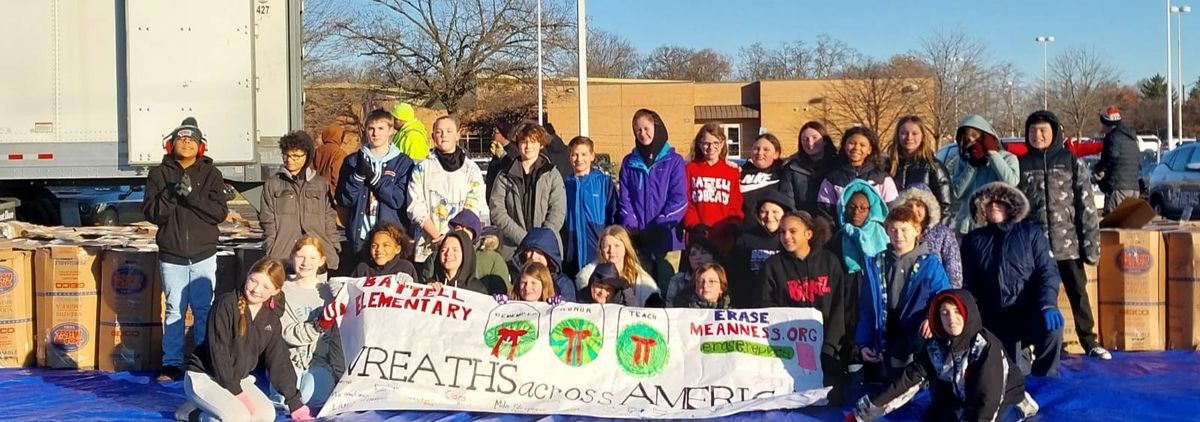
170,374
1028,406
1100,352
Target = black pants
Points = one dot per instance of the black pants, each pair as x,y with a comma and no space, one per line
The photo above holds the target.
1024,328
1074,281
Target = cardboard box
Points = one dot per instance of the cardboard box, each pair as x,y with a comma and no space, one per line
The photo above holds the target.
1133,306
1070,339
1183,290
16,309
67,299
130,337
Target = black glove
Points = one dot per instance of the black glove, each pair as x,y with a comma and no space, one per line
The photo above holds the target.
184,187
366,171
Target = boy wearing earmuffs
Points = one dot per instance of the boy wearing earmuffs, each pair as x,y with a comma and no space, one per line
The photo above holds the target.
185,198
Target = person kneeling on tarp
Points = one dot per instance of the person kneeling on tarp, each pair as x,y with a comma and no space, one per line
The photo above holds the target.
969,375
243,329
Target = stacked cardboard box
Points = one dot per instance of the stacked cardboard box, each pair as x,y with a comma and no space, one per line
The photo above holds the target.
1070,339
1183,289
16,308
130,336
67,287
1133,291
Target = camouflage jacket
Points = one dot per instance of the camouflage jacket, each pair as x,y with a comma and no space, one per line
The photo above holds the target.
1060,200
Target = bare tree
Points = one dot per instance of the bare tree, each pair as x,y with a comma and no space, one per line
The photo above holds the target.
682,63
439,50
831,57
1082,83
1009,112
872,94
609,56
323,51
790,60
960,79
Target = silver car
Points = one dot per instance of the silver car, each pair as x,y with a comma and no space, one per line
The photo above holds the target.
1175,183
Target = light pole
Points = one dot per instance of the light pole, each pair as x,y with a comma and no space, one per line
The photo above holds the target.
1012,122
1170,85
1045,41
957,70
583,73
1179,11
539,67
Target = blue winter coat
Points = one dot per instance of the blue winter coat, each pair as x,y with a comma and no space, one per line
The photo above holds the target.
927,279
1008,266
591,206
653,199
544,240
391,192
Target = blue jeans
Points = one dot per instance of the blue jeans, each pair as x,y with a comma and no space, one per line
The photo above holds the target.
184,286
315,385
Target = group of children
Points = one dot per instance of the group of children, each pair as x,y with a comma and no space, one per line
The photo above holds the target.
816,231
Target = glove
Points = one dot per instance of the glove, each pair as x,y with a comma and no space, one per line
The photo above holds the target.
864,411
330,314
365,170
184,187
555,300
247,401
1054,319
501,298
302,414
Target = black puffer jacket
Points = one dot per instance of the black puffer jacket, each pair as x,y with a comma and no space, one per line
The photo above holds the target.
187,227
1060,196
1120,160
911,171
802,176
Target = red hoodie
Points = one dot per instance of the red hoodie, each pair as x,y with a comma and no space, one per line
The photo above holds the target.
714,195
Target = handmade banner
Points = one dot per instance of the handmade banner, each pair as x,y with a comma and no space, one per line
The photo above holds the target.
409,347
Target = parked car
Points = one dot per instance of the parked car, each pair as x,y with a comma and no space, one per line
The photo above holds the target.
1175,182
105,205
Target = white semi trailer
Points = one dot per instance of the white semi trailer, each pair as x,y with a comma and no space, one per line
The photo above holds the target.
89,88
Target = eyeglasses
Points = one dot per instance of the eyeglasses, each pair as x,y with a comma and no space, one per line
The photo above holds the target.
711,144
295,156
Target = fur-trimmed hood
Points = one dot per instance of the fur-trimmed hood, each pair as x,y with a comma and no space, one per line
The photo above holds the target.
921,192
1018,205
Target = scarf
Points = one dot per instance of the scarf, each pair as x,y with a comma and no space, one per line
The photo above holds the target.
450,161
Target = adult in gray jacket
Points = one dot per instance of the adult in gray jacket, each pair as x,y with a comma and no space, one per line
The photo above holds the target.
982,160
296,203
529,192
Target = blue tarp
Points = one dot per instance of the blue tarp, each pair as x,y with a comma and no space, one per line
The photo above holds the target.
1133,386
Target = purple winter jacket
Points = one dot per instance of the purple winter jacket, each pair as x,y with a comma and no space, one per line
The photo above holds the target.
653,200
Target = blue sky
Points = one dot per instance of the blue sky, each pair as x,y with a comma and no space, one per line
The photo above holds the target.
1131,33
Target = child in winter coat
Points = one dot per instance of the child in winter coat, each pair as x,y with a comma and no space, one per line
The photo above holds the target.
386,254
185,198
897,285
807,277
860,233
714,195
529,193
617,248
541,246
534,285
443,185
591,206
911,161
373,185
761,174
804,171
604,286
935,234
1008,266
859,161
966,367
709,289
700,251
489,265
981,159
244,329
316,353
296,202
653,197
754,246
